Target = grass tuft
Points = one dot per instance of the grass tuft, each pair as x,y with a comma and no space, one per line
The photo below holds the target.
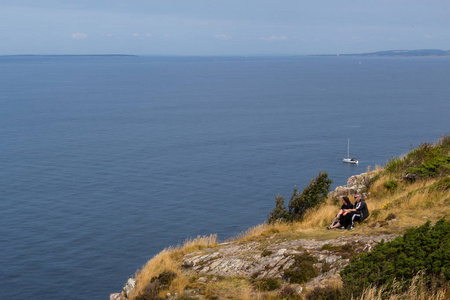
167,262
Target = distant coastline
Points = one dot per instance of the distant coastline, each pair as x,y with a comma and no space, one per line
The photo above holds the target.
399,53
387,53
70,55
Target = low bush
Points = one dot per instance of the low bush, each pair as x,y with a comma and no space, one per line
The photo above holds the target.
326,267
346,250
267,284
424,249
426,161
390,216
150,292
375,213
288,292
324,293
165,278
157,283
280,212
266,253
302,270
437,167
312,196
391,185
441,185
394,165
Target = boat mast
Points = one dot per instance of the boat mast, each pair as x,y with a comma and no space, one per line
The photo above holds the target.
348,148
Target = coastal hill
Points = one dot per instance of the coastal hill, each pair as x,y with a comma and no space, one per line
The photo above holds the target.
401,251
400,53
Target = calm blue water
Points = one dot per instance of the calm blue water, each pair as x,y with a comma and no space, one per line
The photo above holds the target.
106,161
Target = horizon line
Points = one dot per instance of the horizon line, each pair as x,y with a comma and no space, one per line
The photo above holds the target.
396,51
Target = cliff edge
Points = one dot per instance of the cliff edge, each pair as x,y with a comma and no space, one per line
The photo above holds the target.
294,260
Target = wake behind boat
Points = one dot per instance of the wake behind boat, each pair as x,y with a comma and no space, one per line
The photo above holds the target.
349,160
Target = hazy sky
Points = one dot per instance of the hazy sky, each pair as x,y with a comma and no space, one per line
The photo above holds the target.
210,27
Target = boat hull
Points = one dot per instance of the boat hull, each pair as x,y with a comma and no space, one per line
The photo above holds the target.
353,161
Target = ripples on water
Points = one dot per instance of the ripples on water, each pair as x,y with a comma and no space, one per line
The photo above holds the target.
106,161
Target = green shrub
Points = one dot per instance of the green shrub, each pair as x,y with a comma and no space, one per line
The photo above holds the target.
280,212
375,213
426,249
436,167
346,250
325,267
312,196
157,283
266,253
391,185
394,165
165,278
267,284
150,292
288,292
390,216
302,270
324,293
441,185
427,160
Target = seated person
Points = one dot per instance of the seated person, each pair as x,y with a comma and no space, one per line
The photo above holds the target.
359,213
346,204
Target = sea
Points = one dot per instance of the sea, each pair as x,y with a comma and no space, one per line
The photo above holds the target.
107,160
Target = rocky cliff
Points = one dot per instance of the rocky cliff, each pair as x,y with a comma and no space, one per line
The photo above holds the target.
274,256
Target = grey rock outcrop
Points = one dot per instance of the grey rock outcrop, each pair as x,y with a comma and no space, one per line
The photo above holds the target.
355,184
270,261
127,290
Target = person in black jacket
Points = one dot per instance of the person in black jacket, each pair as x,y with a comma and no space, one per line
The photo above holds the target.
346,204
359,213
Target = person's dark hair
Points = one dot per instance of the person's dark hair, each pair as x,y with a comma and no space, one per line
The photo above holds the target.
346,200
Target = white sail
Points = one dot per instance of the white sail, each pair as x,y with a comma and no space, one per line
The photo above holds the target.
349,160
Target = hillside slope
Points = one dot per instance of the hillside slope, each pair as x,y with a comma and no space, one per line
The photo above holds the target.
294,260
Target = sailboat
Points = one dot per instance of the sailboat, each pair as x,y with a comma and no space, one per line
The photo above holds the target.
349,160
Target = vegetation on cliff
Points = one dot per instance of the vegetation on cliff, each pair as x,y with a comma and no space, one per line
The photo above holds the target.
409,191
312,196
424,250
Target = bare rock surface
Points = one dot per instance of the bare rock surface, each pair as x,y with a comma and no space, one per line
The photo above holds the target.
355,184
259,261
117,296
270,259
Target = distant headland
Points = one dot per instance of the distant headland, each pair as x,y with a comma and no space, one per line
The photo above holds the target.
399,53
69,55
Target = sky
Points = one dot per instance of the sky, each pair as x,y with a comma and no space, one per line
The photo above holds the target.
225,27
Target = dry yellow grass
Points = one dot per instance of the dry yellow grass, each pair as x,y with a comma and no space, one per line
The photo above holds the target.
412,204
168,260
321,217
263,231
163,261
252,232
231,288
416,291
198,243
